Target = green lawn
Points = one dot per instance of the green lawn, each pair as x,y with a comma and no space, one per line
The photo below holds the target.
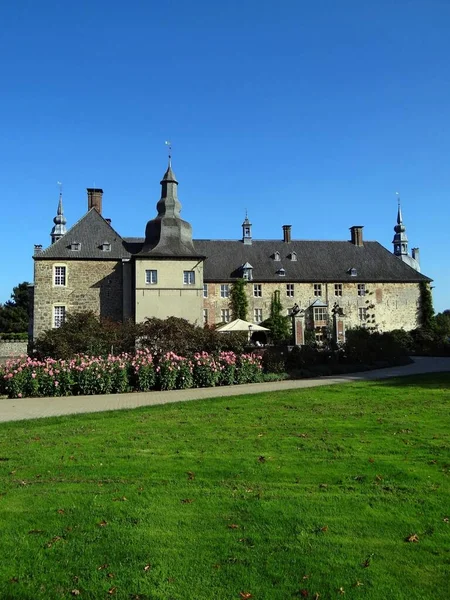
306,493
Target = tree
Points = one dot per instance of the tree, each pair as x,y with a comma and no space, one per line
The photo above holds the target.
442,324
239,302
278,324
14,313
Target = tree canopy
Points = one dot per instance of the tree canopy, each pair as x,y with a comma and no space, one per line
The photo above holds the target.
14,315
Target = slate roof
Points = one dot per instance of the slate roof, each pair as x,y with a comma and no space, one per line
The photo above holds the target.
317,261
91,231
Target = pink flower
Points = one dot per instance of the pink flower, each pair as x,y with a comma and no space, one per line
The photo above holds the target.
56,383
19,395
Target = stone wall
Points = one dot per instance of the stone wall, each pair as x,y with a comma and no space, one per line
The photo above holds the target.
90,285
388,305
12,349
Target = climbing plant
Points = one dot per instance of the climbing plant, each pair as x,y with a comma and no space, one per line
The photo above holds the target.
426,315
238,300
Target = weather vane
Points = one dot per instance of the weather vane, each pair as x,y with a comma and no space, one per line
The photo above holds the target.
169,149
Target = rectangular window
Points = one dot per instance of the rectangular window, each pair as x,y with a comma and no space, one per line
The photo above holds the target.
338,289
290,290
189,277
224,292
60,276
225,315
205,316
59,316
257,290
151,276
205,290
320,313
362,314
361,289
257,315
317,289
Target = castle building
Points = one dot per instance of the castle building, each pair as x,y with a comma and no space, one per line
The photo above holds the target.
168,273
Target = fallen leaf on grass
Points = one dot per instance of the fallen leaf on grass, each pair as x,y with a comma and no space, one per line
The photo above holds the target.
371,460
103,523
366,563
341,590
446,520
245,595
36,531
61,511
14,580
55,539
324,528
262,459
305,577
101,567
304,593
233,526
112,591
316,596
358,584
412,538
111,575
187,501
147,567
323,486
75,592
190,475
123,499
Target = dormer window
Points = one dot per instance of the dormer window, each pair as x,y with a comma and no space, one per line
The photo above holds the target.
281,272
293,256
75,246
353,272
106,247
247,271
276,256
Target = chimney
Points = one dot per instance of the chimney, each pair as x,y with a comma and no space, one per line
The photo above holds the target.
108,221
357,235
95,199
287,233
37,249
416,254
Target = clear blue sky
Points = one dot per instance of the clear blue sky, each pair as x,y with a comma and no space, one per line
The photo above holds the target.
310,113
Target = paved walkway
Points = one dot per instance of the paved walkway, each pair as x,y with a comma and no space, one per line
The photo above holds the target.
34,408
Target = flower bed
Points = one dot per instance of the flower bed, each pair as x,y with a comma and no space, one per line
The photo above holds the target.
141,372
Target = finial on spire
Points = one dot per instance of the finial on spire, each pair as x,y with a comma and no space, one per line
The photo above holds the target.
169,149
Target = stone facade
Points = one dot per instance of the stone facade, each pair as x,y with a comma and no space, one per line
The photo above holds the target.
90,285
386,305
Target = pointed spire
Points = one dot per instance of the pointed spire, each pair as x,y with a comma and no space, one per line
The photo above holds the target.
400,240
59,229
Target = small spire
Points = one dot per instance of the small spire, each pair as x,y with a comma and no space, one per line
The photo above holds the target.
246,230
60,220
400,240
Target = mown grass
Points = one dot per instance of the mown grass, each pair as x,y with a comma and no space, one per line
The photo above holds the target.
307,493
